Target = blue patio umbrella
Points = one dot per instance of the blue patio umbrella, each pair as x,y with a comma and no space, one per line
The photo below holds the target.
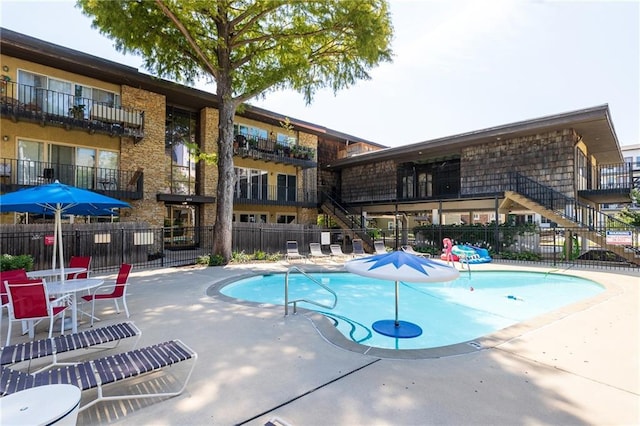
401,266
58,199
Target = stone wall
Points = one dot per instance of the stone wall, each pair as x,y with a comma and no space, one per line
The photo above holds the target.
547,158
147,153
369,182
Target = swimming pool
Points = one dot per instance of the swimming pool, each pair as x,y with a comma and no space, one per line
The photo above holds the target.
448,313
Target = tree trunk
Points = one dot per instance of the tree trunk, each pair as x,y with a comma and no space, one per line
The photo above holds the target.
222,229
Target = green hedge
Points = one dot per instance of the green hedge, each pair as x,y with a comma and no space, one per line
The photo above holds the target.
22,261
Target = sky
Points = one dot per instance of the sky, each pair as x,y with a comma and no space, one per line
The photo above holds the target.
458,66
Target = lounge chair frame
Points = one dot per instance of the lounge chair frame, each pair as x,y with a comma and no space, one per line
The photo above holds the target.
107,370
315,251
97,338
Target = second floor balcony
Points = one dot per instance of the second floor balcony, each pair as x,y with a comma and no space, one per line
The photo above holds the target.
122,184
271,150
275,195
48,107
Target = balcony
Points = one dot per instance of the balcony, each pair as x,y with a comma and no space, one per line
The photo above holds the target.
271,150
122,184
275,196
614,183
47,107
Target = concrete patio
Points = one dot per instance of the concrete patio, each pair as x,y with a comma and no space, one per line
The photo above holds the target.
578,366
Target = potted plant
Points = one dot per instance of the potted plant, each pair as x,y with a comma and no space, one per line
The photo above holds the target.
77,112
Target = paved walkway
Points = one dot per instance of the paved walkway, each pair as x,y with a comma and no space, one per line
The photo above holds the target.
579,366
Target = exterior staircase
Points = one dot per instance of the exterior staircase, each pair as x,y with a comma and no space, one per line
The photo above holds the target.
583,220
347,220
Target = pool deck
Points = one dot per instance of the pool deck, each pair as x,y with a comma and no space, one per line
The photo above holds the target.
578,365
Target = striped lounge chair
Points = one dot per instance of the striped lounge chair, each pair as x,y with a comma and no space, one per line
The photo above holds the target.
96,374
96,338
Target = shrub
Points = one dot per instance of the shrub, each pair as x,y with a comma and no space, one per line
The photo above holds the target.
260,255
203,260
274,257
216,260
240,257
9,262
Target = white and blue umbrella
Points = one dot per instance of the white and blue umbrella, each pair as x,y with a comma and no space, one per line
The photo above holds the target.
401,266
58,199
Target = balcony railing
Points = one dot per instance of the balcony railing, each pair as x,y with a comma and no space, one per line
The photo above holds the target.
271,150
275,195
17,174
23,102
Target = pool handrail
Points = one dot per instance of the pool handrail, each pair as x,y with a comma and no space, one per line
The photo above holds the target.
295,302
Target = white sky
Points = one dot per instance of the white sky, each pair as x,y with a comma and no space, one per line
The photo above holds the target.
459,66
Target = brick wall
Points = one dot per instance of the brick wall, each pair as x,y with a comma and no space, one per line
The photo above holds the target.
209,118
148,153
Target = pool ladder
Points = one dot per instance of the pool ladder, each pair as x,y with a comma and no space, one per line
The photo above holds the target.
287,302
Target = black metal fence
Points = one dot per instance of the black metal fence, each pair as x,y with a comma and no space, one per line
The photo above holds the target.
111,244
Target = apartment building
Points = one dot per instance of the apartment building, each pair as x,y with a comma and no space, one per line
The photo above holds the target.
85,121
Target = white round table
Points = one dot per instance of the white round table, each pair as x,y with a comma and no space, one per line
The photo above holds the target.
42,405
46,273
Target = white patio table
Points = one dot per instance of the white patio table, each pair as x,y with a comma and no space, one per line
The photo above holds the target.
42,405
72,287
46,273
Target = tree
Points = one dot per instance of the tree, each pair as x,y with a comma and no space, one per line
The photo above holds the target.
248,48
630,216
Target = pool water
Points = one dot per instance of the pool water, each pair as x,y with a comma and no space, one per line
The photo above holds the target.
448,313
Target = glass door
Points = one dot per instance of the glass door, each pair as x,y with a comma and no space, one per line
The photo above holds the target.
85,168
180,225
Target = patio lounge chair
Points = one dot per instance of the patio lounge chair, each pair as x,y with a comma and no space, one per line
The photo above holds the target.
292,251
336,251
410,250
379,247
358,248
103,371
315,251
93,338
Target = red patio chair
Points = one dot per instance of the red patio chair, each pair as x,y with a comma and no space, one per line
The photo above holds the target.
15,274
117,292
79,262
29,301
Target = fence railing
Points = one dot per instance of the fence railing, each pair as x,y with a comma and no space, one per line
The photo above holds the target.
110,244
16,174
21,101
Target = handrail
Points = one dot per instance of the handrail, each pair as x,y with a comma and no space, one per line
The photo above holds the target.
295,302
558,202
347,216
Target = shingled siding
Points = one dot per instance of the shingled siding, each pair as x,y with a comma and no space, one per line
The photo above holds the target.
547,158
370,182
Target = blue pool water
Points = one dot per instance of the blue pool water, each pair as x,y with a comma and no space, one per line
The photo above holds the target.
448,313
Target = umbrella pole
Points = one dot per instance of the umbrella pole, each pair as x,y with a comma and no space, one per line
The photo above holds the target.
60,248
397,323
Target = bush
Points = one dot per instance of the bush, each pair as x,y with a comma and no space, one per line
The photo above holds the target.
203,260
240,257
22,261
274,257
260,255
216,260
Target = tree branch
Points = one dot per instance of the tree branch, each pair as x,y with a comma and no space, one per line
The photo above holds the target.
169,14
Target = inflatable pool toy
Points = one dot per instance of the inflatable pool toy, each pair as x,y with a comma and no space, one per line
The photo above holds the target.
471,254
447,255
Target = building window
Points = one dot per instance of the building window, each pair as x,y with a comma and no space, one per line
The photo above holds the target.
251,217
250,184
285,218
287,187
180,141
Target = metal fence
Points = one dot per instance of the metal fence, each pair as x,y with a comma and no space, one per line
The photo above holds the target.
110,244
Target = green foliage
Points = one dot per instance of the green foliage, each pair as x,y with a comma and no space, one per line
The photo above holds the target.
274,257
22,261
374,233
259,255
523,255
216,260
629,216
476,235
248,48
203,260
241,257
